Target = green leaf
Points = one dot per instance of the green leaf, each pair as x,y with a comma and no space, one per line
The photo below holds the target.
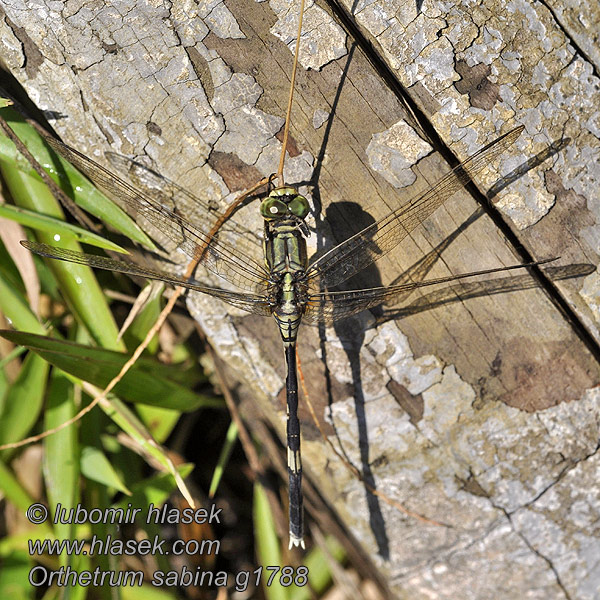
268,547
14,305
159,421
60,461
57,227
14,577
230,440
23,402
319,573
95,466
77,282
145,382
13,490
66,176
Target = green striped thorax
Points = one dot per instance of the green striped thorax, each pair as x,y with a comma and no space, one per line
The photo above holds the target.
284,203
284,245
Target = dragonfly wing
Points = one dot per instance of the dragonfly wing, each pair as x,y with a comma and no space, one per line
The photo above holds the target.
327,307
213,253
168,193
376,240
253,303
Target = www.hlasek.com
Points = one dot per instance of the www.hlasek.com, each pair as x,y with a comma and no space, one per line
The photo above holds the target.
109,545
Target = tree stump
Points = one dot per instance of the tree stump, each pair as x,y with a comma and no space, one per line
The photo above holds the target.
475,406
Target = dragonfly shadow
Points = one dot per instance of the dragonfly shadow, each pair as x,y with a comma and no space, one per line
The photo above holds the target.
344,219
528,165
363,219
353,339
460,292
355,214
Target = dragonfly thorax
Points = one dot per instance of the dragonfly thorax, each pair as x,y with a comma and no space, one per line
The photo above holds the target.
284,211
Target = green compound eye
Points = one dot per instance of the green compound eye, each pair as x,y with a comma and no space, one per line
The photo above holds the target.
284,201
272,208
299,207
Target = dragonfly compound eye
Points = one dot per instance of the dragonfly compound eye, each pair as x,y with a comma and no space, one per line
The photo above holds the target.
299,206
273,208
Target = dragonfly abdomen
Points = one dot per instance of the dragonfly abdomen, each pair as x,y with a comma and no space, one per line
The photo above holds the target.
288,310
293,450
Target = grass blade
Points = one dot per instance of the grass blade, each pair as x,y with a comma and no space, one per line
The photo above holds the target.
61,453
147,382
268,547
24,401
57,227
230,440
77,282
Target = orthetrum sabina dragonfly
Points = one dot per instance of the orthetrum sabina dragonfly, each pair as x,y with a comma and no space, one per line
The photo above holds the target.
288,286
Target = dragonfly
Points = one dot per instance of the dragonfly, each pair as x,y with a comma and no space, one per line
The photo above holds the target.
286,285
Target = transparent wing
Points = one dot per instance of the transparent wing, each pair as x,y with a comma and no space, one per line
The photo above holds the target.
169,194
373,242
213,253
328,307
253,303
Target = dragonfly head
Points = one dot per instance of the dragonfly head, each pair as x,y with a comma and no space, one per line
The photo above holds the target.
284,203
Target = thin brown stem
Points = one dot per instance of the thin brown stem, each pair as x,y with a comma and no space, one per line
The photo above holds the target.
286,127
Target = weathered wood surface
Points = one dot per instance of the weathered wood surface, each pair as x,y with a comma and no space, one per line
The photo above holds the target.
481,412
